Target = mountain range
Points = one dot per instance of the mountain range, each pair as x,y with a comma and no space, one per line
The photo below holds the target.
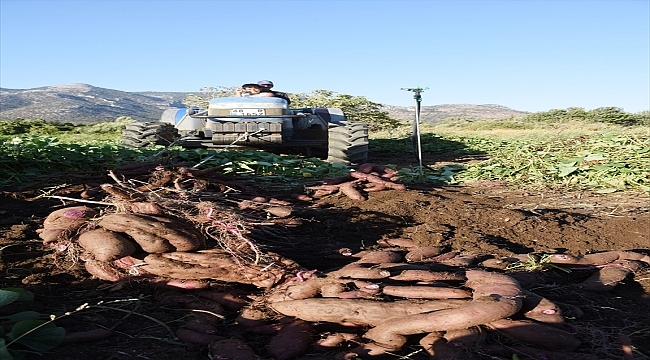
87,103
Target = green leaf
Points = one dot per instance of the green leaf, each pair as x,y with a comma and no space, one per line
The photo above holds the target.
565,170
606,191
37,335
24,295
594,157
4,352
8,296
23,315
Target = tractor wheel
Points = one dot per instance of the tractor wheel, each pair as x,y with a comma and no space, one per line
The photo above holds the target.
348,143
138,135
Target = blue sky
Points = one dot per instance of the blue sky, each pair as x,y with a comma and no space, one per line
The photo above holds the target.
527,55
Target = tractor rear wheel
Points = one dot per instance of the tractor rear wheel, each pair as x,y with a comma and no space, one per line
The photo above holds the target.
142,134
347,143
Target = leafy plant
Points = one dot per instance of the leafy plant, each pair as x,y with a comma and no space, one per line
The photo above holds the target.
29,331
536,264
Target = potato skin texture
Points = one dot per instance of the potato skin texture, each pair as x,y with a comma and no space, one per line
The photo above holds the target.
155,234
106,245
293,340
359,311
495,296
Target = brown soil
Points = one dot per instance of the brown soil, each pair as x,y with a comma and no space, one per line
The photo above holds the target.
485,219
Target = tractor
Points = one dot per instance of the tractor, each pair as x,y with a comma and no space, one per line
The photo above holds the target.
264,123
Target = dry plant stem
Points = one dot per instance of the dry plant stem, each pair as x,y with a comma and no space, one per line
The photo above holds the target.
112,175
80,200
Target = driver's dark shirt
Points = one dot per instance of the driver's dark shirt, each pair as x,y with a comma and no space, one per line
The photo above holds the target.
279,94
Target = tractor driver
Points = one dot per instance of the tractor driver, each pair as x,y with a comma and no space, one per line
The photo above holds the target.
253,90
266,86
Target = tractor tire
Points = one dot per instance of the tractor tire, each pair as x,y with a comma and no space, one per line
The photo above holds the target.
139,135
347,143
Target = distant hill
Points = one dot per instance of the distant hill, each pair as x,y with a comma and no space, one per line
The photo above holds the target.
84,103
87,103
437,113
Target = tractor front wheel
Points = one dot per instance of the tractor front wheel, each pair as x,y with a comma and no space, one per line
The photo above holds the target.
142,134
348,143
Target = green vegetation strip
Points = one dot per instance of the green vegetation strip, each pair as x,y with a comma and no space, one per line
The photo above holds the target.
26,160
603,163
566,156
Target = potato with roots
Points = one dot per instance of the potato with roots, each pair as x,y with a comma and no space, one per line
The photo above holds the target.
154,234
495,296
219,265
106,245
64,220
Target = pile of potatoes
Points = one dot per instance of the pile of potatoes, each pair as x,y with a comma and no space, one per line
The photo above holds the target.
391,299
120,246
443,303
395,295
357,184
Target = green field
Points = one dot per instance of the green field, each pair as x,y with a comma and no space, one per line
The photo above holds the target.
565,155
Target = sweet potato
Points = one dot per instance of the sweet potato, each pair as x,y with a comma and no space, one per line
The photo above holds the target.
601,258
62,220
420,253
495,296
214,264
338,180
463,261
377,257
196,337
251,316
541,309
357,271
545,336
309,288
351,191
368,168
426,275
86,336
464,338
148,208
106,245
185,284
363,292
69,217
407,243
279,211
231,349
426,292
103,270
155,234
606,278
377,180
292,341
451,344
332,341
228,300
359,311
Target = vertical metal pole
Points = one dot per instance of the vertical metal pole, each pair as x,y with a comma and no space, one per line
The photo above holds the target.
415,137
418,99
